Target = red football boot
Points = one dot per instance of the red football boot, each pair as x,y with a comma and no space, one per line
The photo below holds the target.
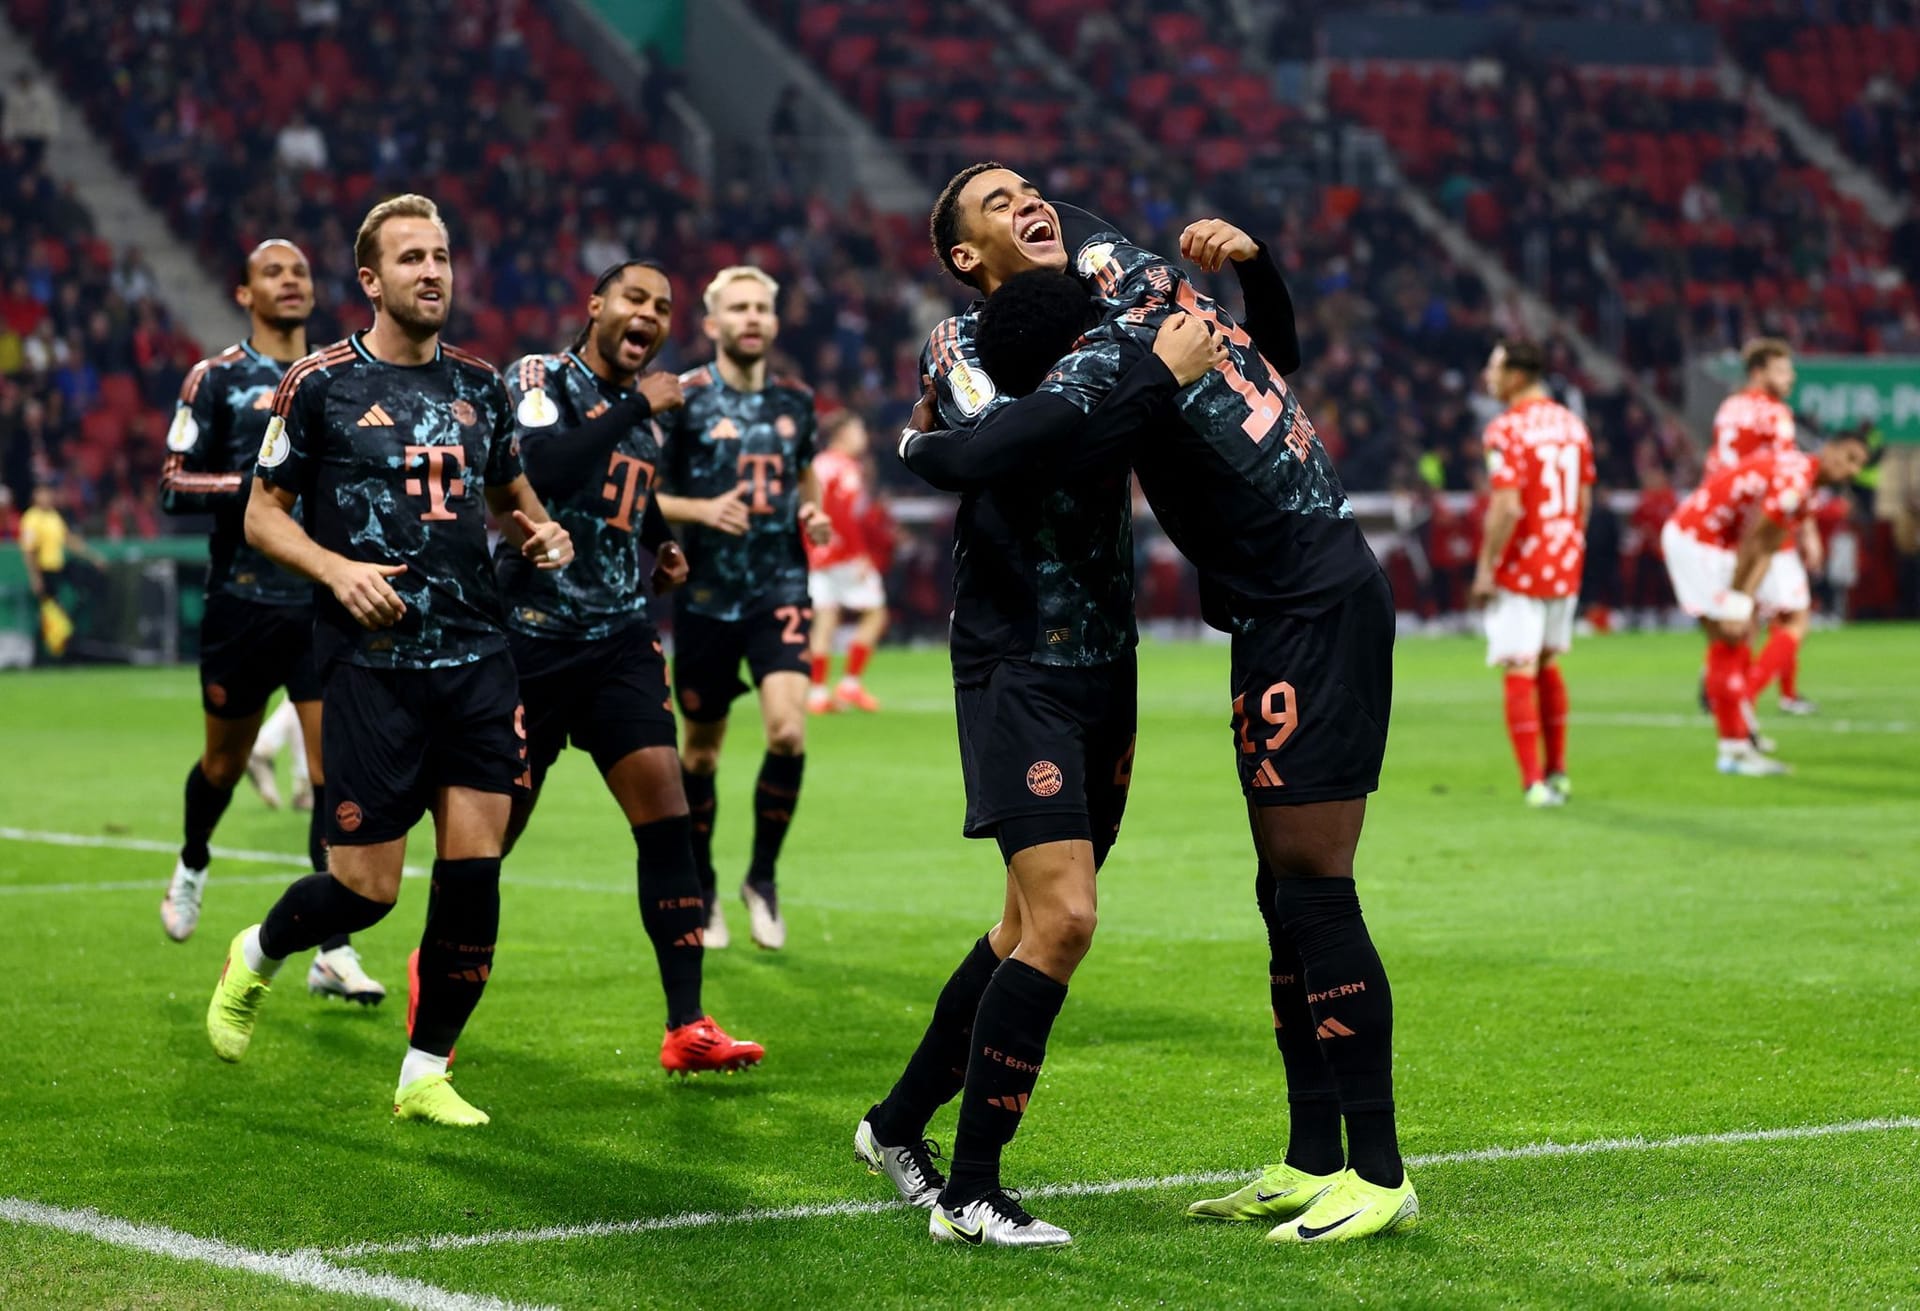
704,1045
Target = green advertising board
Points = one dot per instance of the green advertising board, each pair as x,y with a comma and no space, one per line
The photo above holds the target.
1843,391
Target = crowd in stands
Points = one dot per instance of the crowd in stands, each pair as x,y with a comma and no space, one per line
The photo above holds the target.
547,177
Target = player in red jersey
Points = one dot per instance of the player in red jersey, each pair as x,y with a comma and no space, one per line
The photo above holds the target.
1540,472
1752,421
1720,544
1650,593
844,575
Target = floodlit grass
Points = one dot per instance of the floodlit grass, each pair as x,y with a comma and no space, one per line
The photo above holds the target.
1674,953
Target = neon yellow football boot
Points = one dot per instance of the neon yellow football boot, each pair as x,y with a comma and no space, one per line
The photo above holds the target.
236,1003
1280,1193
432,1098
1352,1208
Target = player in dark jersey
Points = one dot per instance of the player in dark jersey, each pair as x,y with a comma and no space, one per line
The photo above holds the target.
738,475
257,631
1044,684
586,650
385,439
1242,486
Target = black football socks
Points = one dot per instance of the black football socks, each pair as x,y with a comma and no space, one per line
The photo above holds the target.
205,805
776,794
673,911
1009,1043
456,949
1352,1013
1313,1099
316,910
703,805
937,1069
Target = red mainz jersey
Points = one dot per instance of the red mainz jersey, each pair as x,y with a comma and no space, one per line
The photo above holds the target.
843,496
1749,423
1776,485
1541,449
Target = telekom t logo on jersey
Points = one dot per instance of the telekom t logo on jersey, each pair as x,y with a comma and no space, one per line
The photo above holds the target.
762,474
440,482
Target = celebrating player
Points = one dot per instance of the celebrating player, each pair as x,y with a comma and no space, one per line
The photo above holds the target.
1751,421
588,656
1044,686
1284,568
1720,544
738,467
257,631
385,438
844,576
1532,550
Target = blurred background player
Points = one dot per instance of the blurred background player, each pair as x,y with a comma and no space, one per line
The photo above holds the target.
257,633
1719,546
1754,420
844,574
1532,551
739,457
278,731
45,541
397,446
583,641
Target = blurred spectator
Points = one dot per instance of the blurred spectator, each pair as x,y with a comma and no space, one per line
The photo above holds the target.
31,118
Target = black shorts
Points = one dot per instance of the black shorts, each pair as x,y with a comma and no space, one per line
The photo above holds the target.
707,653
1311,700
1047,752
394,737
608,696
247,650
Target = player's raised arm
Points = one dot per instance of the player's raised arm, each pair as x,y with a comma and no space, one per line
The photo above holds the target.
559,458
1215,243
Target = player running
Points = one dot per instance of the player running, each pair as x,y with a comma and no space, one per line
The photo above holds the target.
1720,545
386,438
1532,550
257,631
1751,421
585,647
844,577
1237,477
738,468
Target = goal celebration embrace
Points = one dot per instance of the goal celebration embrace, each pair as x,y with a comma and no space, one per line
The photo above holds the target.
1183,653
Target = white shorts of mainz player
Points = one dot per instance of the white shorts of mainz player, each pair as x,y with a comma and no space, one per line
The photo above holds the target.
1785,590
1702,577
1520,627
850,585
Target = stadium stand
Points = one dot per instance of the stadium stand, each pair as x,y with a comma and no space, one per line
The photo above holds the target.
1669,218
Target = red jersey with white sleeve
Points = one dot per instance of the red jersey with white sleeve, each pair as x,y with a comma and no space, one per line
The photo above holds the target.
1779,486
843,497
1541,449
1749,423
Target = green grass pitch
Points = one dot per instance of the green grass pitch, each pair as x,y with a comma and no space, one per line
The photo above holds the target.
1675,953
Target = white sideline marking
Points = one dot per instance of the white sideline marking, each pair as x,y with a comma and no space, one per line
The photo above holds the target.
825,1210
308,1269
1702,722
287,859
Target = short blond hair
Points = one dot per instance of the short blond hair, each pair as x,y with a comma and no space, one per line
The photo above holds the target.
366,243
738,273
1762,351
